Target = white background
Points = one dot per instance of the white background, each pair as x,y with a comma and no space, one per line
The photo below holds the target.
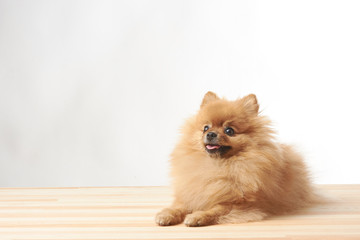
92,93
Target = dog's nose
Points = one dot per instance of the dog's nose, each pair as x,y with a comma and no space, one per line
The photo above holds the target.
211,135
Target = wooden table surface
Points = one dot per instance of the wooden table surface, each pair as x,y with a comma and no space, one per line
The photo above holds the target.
128,213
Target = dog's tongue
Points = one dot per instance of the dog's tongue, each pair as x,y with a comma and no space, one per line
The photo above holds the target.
211,147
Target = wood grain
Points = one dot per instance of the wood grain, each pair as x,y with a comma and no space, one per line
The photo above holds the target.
128,213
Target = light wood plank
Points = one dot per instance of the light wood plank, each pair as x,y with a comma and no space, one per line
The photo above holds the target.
128,213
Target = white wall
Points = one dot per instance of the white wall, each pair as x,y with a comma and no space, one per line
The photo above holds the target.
92,93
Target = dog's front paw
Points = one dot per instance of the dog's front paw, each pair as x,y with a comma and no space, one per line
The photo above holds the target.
198,219
169,217
164,219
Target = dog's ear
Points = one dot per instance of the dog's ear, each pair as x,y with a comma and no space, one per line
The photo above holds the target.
250,103
209,97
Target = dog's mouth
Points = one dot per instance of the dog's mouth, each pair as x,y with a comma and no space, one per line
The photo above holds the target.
212,147
215,148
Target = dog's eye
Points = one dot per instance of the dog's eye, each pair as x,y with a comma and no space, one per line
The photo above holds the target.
229,131
206,128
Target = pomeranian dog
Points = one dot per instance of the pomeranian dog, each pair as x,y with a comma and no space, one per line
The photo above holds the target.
228,168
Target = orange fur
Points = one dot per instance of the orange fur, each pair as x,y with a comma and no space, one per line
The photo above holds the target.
251,178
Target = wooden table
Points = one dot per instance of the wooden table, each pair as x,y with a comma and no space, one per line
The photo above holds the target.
128,213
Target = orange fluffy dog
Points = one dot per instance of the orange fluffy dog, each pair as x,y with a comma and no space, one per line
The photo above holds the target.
227,168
